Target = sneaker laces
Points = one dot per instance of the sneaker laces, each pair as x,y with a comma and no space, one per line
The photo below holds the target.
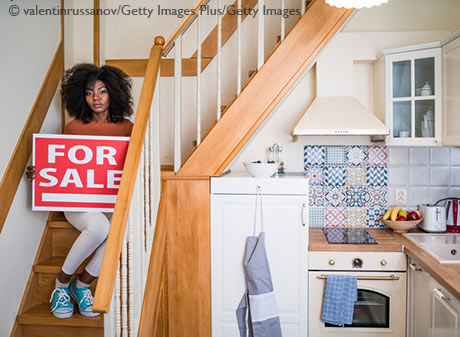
87,297
62,297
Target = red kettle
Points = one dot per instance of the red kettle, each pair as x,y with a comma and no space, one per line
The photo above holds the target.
453,214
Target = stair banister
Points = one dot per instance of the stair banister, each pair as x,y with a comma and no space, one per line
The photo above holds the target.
116,235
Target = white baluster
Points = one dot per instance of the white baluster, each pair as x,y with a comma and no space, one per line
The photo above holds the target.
261,35
177,103
143,191
124,289
131,283
283,20
219,59
117,304
198,82
302,7
238,48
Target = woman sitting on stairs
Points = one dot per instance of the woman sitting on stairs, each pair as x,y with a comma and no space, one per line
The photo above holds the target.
100,100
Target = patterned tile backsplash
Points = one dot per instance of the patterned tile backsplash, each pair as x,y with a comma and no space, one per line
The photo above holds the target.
353,185
348,185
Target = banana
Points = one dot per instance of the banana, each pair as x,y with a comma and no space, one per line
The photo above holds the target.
394,213
386,216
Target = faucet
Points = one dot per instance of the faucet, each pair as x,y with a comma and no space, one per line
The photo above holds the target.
279,152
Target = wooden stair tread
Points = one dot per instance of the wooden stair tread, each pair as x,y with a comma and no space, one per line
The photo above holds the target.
54,264
59,224
41,314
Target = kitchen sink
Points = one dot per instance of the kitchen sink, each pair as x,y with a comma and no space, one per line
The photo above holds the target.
443,247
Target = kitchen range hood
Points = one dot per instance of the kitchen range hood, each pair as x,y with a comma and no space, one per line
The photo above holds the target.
339,116
336,109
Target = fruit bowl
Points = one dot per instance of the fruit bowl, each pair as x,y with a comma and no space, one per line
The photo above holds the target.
261,170
401,226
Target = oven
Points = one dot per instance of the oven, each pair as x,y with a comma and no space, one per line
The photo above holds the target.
381,306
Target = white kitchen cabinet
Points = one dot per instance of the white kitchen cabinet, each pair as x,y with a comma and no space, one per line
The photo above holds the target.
413,99
419,302
445,311
285,206
433,311
451,76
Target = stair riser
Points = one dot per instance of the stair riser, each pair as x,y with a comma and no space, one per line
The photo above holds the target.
47,331
62,240
46,286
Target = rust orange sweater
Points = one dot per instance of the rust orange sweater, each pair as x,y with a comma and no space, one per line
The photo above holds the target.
76,127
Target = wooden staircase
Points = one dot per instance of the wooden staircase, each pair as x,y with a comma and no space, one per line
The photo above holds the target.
35,318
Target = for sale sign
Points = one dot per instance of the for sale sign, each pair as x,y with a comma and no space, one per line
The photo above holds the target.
77,173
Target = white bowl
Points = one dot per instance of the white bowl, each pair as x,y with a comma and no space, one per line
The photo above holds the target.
261,170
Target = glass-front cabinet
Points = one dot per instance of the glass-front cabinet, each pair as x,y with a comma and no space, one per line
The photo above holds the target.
413,106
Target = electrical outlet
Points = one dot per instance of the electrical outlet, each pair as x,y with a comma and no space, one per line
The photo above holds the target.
400,196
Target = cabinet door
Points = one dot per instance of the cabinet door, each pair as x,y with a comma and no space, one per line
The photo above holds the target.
445,311
413,97
419,302
451,123
286,228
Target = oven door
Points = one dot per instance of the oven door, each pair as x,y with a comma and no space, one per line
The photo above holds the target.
379,311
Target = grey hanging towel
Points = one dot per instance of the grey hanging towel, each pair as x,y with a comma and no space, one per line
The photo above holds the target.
257,313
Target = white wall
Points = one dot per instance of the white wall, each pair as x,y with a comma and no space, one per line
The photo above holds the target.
27,45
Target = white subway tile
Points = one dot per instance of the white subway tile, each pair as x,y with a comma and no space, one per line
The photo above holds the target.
455,176
455,155
419,175
439,176
419,156
455,192
438,193
418,195
398,155
391,196
439,156
397,176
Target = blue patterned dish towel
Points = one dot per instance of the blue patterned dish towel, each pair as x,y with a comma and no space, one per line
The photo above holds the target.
339,299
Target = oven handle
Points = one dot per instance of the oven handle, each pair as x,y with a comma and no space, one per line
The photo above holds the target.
380,278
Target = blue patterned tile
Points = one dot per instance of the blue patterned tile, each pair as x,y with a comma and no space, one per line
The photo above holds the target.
356,217
316,196
356,155
335,176
316,175
377,176
316,216
335,155
313,156
334,196
356,196
377,196
373,217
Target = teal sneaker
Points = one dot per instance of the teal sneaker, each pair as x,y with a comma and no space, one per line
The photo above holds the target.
61,306
84,300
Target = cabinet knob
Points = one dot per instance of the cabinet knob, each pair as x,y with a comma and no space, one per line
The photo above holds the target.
383,262
331,262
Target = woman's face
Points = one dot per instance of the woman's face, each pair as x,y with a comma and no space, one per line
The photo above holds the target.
98,98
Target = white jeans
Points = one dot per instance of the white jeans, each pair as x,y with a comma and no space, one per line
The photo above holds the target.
94,228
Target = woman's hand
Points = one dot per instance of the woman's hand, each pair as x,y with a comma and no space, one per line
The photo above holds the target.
30,173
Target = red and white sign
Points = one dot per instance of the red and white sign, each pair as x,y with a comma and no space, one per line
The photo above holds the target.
77,173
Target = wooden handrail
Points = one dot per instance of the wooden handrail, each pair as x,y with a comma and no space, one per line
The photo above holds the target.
116,236
18,161
183,26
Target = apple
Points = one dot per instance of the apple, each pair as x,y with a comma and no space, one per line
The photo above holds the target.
413,216
402,213
401,218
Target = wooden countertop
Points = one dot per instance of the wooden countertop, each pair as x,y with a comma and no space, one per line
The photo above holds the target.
446,274
385,242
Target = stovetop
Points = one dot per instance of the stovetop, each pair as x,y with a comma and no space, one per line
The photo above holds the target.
355,236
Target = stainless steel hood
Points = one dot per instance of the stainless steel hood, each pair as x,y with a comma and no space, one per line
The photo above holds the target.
339,116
